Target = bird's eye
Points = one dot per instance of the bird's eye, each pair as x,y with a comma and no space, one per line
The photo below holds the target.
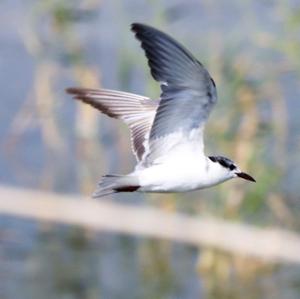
232,167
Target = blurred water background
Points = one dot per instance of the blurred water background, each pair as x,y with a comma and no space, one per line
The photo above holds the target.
49,142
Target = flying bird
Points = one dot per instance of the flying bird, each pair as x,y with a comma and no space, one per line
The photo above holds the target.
166,134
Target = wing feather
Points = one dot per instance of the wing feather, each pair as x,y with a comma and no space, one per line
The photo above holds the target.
188,92
136,111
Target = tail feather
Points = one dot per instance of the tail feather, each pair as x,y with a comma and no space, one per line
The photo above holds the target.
110,184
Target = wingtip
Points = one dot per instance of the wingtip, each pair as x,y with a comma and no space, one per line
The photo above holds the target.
76,92
140,27
72,90
134,26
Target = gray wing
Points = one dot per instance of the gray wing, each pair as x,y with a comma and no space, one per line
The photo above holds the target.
136,111
188,92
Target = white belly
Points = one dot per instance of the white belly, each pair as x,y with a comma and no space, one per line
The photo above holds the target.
174,176
182,167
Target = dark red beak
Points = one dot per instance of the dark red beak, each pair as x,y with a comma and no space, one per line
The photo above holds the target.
245,176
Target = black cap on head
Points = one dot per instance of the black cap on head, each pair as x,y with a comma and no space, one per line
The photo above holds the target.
225,162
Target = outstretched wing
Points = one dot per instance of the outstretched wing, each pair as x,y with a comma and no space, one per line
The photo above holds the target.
136,111
188,92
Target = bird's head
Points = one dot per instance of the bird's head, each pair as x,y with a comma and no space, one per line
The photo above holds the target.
228,169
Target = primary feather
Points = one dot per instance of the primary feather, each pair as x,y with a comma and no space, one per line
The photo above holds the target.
188,93
136,111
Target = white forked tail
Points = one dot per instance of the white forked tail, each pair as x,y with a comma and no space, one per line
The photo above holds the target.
110,184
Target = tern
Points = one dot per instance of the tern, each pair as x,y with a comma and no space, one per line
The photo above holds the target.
166,134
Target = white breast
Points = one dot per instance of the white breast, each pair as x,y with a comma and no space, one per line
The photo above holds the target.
181,170
178,164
